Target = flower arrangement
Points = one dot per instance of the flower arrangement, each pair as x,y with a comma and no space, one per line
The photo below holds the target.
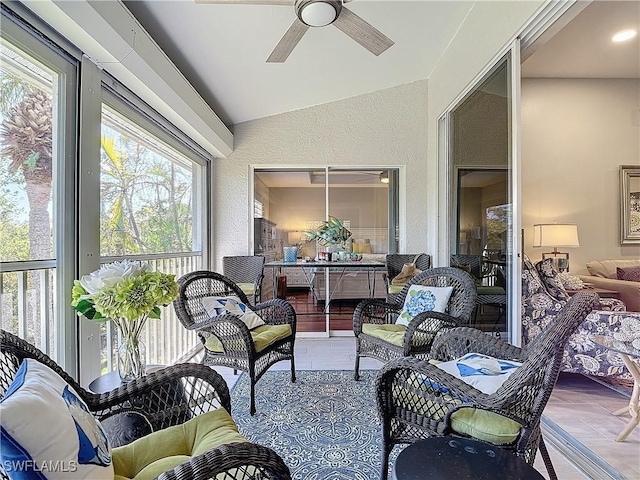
126,293
331,232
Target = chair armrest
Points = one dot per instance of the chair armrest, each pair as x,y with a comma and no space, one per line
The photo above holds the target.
456,342
277,312
232,461
373,310
423,330
166,397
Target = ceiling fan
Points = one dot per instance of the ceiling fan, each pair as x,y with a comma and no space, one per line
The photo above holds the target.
319,13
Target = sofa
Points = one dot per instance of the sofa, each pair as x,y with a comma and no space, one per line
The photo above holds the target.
603,274
543,296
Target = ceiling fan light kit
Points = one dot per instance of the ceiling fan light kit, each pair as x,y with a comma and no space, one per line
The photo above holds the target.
318,13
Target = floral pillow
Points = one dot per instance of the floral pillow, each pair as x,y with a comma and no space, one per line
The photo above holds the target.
422,298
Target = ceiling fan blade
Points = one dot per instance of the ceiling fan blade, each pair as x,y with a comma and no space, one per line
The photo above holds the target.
249,2
362,32
288,42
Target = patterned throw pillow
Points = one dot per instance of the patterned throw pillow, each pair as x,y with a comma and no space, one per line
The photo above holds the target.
631,274
215,306
420,299
47,430
549,275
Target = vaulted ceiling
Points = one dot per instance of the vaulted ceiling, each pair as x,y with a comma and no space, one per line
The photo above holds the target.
222,50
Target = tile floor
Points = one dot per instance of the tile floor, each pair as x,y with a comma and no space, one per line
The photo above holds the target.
579,406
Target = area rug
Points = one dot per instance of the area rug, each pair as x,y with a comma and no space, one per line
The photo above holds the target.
325,425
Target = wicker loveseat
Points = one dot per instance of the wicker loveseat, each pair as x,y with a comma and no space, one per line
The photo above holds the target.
180,416
543,296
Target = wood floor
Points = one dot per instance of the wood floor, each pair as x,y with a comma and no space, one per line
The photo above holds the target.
578,406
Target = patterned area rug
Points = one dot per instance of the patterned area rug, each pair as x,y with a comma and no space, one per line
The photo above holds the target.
325,425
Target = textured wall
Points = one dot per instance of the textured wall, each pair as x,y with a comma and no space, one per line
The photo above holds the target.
385,128
575,135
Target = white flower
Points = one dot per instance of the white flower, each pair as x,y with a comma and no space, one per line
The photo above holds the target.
111,274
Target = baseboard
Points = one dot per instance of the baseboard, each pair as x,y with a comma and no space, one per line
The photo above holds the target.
587,462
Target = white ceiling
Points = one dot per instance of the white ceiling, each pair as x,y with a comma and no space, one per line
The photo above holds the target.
221,49
583,48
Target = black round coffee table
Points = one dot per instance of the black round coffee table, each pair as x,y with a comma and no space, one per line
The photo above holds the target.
460,458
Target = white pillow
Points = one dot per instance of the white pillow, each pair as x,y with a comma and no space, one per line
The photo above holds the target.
420,299
215,306
483,372
48,431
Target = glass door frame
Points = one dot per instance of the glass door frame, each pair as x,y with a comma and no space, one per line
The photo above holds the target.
396,194
511,53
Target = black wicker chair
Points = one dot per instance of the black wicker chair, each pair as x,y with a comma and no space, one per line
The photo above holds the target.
238,350
422,330
417,399
247,271
165,398
394,263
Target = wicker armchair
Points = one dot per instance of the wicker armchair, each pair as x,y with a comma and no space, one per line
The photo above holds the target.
417,399
394,263
165,398
235,343
247,271
418,336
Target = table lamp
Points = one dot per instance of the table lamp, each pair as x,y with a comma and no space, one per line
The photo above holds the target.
556,235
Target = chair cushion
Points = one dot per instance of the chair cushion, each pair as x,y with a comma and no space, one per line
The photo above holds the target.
148,457
481,424
485,425
490,290
215,306
421,298
46,424
262,336
248,288
395,289
392,333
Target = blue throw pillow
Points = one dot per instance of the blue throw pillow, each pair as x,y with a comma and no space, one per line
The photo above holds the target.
47,430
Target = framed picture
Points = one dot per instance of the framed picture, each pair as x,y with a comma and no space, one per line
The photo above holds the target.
629,204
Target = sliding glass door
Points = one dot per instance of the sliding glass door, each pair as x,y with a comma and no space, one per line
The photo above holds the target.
296,202
483,230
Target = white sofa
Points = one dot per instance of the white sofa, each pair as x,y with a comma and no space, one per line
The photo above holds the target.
603,274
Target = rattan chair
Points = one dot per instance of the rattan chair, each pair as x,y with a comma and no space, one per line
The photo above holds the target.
394,263
164,398
248,272
423,328
235,342
416,399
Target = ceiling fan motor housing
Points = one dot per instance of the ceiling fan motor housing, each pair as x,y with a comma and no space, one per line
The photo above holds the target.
318,13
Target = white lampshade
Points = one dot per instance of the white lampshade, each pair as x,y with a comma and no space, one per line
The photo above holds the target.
318,14
555,235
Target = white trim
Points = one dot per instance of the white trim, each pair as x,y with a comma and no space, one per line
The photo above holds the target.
514,294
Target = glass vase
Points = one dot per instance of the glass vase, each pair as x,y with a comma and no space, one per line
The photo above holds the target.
131,350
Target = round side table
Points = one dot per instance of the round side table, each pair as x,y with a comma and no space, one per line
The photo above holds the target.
442,458
110,381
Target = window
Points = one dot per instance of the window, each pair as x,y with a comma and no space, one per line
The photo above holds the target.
37,142
152,209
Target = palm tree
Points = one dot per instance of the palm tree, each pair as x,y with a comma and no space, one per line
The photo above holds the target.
26,138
